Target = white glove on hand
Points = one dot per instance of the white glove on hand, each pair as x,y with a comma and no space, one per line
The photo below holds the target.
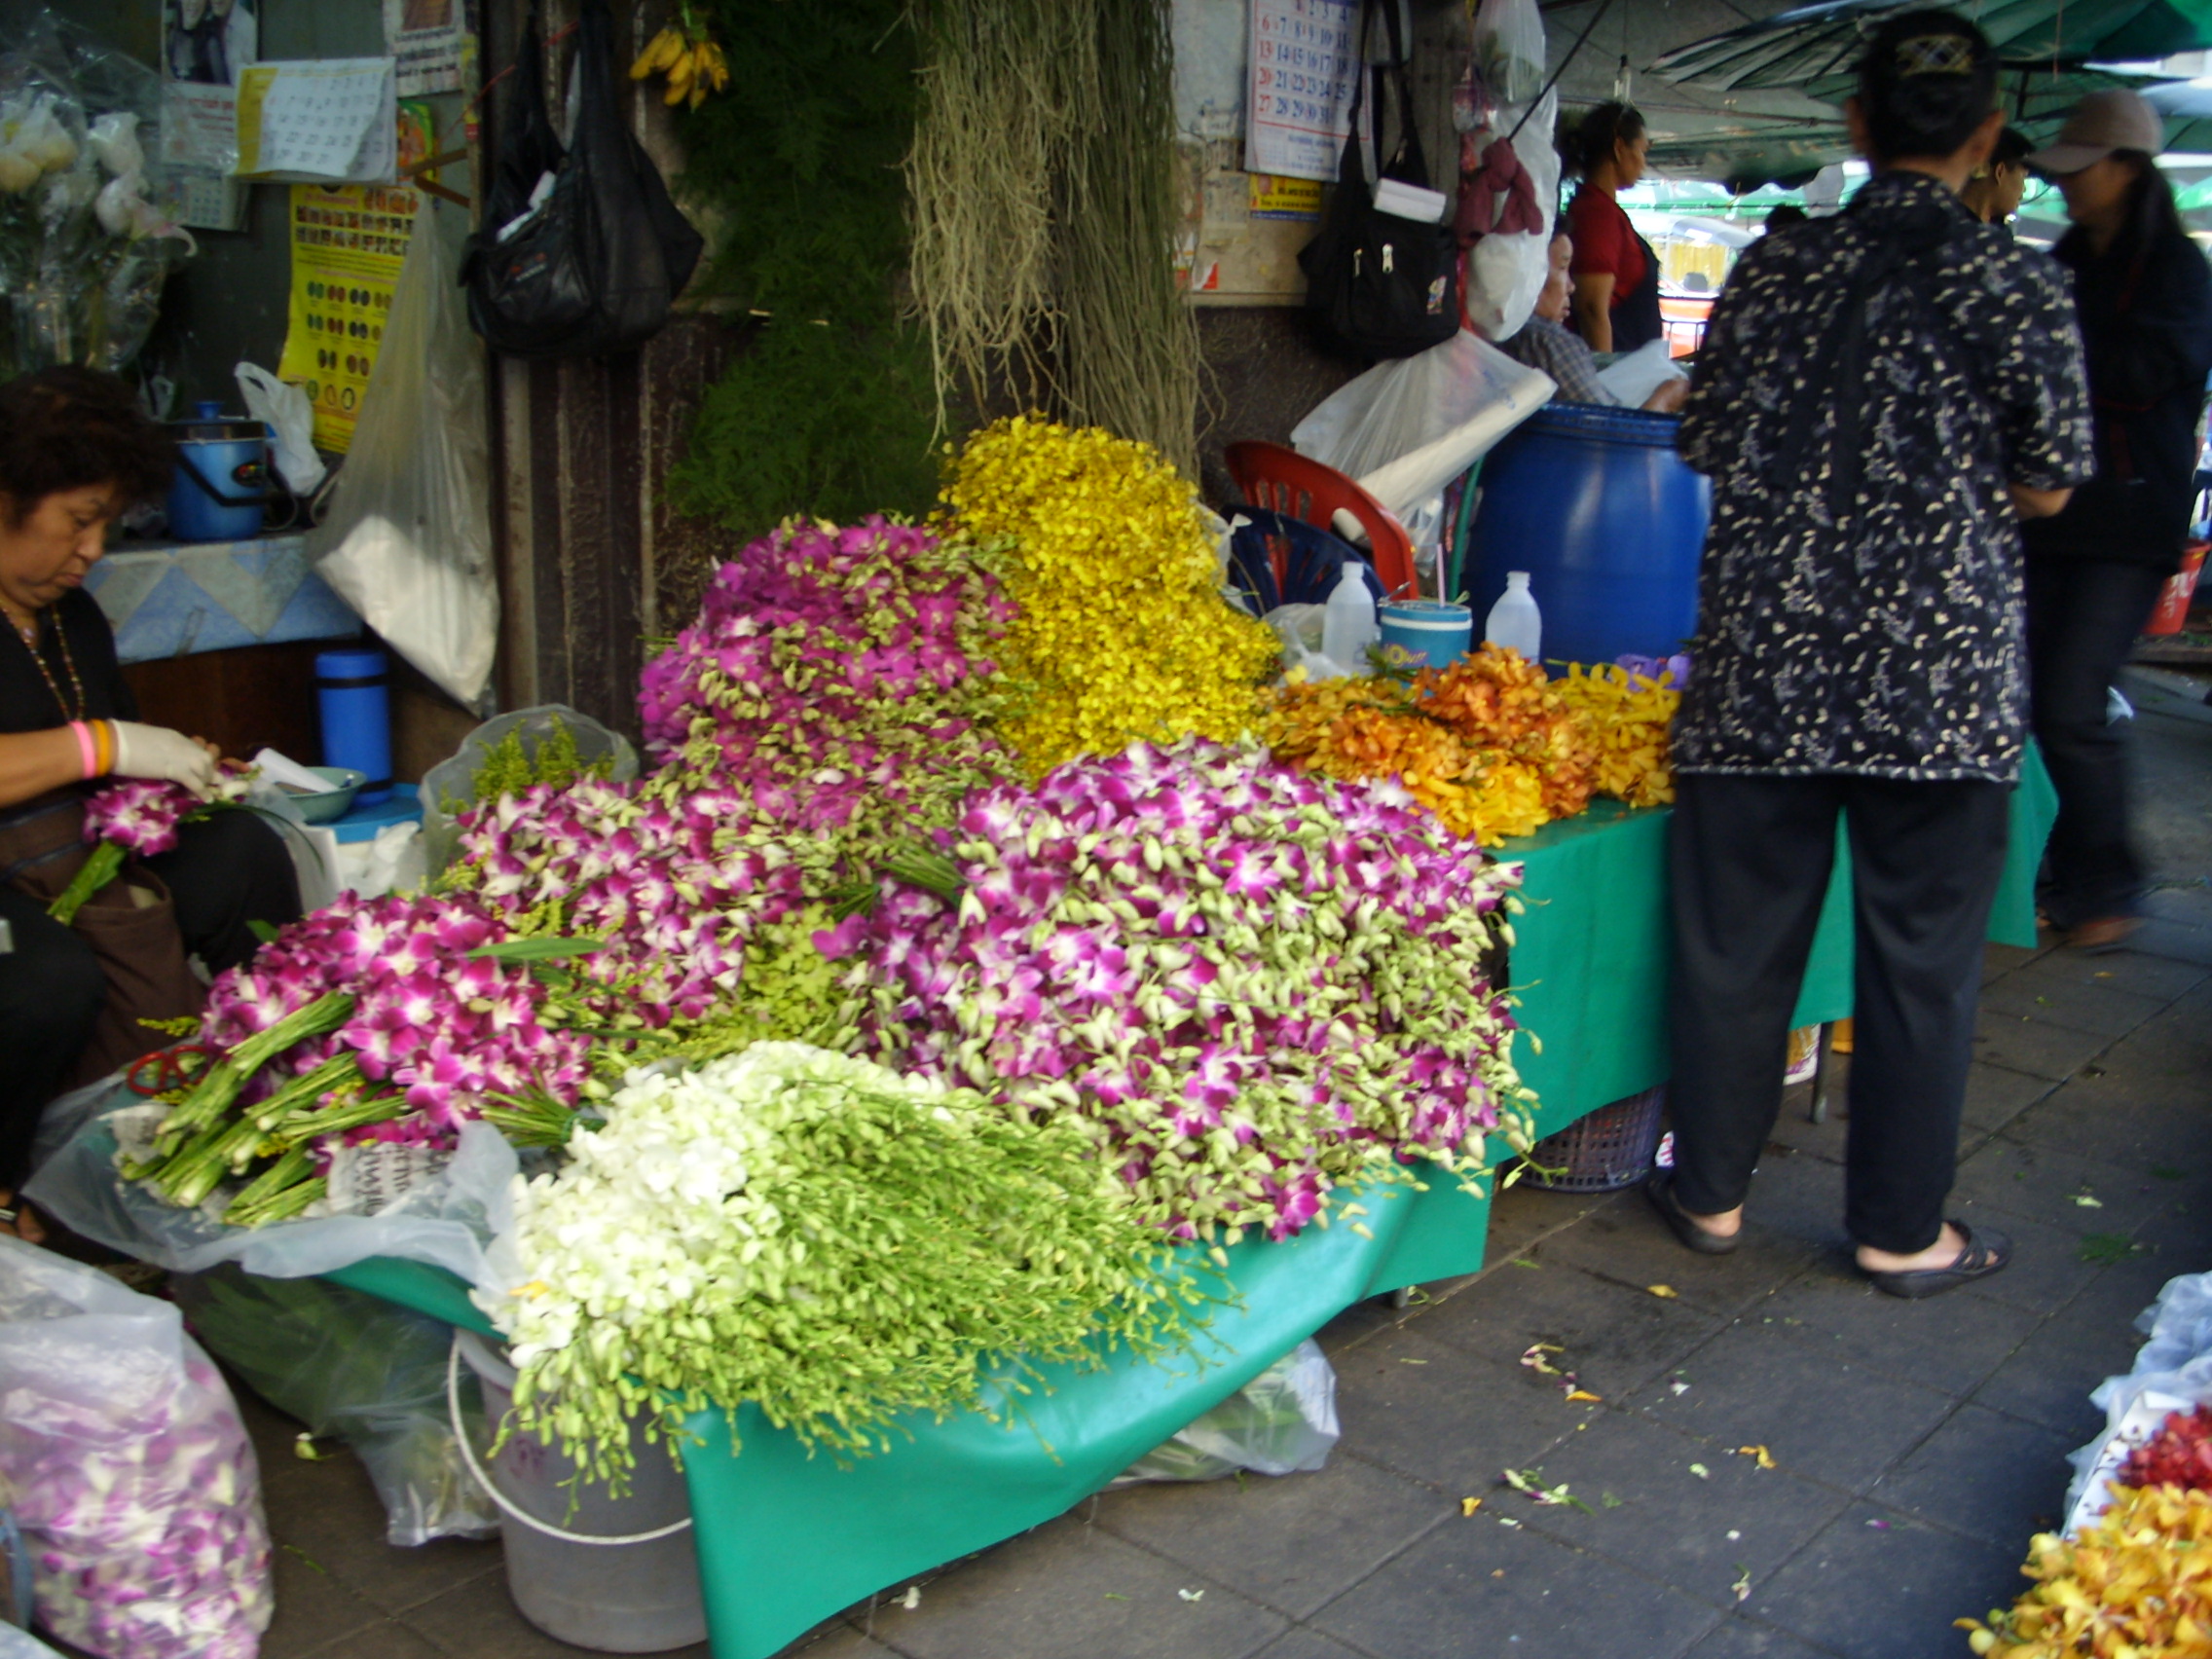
156,751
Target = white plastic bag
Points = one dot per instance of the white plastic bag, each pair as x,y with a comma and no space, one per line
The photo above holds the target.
1505,273
1509,52
1636,375
1407,427
443,1221
2172,1372
290,419
21,1645
1282,1421
133,1478
408,539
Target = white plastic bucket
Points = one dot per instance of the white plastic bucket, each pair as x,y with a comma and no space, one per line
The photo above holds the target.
617,1575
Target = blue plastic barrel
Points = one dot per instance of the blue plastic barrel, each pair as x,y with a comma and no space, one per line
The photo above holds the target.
222,477
353,687
1596,506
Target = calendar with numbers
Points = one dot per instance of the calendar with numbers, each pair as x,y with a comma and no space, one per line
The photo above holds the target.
1298,102
334,118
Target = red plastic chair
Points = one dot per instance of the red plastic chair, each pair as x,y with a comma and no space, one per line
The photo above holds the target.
1280,480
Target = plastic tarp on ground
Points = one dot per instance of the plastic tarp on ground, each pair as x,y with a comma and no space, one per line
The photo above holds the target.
1591,954
787,1540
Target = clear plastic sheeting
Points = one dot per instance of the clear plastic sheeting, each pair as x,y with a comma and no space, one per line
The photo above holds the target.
443,1221
2173,1372
408,539
1406,428
450,785
359,1368
1281,1423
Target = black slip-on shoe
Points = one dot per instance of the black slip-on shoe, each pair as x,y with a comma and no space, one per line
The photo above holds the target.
1659,1190
1983,1253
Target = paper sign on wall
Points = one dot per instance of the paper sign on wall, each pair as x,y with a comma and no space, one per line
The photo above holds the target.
1300,100
426,39
335,119
349,242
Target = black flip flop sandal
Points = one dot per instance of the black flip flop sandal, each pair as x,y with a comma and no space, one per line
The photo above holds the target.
1983,1253
1659,1190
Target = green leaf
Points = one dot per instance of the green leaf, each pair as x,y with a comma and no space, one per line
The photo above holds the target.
2104,1249
263,930
547,949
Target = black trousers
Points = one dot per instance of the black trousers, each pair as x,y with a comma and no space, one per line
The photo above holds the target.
1751,859
2083,615
223,872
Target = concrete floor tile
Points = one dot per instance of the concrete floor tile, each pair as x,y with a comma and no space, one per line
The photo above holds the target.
1741,1638
1440,1416
1830,1419
1304,1644
1999,1478
2119,969
1631,1245
1953,1346
2157,1140
479,1620
1478,1587
1996,1095
2096,1009
1522,1215
2049,1379
1998,960
2047,1269
1795,1131
2043,1183
312,1607
1615,1339
331,1512
1650,1510
2188,905
1068,1591
837,1640
2033,1045
1887,1591
1292,1544
390,1640
2172,942
1356,1324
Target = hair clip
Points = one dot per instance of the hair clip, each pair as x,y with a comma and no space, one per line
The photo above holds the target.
1935,54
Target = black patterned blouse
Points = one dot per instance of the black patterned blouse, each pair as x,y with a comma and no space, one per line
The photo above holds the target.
1869,385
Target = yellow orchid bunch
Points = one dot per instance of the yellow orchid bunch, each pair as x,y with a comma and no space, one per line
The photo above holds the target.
688,54
1627,715
2137,1584
1122,632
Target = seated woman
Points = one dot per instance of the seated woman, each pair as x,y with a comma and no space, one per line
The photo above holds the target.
74,452
1547,345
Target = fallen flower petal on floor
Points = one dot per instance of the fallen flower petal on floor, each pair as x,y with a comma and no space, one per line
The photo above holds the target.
1764,1456
1666,1292
1701,1471
1469,1505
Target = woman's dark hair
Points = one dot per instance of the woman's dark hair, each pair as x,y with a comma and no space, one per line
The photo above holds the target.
1590,138
69,428
2011,149
1928,80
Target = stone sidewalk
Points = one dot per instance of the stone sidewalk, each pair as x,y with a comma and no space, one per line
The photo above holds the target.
1915,1446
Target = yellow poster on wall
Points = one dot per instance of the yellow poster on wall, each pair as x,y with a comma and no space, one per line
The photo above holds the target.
347,243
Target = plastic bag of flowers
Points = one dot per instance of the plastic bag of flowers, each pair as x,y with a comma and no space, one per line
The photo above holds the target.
133,1480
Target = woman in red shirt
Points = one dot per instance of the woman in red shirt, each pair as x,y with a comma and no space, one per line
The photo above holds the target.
1617,275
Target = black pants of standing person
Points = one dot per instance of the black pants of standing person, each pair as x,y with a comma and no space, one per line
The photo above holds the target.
2083,615
1751,860
223,874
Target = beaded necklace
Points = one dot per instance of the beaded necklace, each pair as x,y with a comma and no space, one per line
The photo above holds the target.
69,711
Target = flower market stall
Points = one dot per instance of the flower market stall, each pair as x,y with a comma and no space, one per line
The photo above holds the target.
971,1052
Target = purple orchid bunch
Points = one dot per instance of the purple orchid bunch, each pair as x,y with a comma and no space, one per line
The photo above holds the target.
843,680
1252,981
141,816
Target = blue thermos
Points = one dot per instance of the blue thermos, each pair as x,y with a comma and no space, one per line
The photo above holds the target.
354,689
222,476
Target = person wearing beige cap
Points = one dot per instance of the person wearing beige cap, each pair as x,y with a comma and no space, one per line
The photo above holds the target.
2094,570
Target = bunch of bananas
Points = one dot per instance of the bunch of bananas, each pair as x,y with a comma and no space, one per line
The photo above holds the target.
689,57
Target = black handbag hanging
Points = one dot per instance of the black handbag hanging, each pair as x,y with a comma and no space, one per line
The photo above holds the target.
582,251
1381,285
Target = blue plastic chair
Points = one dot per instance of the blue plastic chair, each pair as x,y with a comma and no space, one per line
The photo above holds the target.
1276,559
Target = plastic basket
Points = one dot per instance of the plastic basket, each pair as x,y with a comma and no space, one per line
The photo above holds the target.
1603,1152
454,779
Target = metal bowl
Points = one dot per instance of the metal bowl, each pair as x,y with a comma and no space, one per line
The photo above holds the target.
333,803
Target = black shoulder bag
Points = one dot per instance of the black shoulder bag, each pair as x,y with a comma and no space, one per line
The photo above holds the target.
1381,285
582,251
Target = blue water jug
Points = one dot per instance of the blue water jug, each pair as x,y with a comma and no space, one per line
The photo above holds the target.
1596,506
353,687
222,476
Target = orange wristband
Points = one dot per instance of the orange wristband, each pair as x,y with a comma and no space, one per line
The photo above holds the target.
103,742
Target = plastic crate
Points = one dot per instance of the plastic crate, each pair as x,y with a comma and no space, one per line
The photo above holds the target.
1603,1152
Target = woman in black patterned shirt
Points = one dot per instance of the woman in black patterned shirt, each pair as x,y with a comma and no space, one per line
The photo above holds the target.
1882,395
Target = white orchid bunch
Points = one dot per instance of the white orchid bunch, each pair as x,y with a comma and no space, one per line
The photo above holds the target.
822,1238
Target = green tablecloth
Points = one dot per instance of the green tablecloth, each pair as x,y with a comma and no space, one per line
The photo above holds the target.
1590,960
785,1540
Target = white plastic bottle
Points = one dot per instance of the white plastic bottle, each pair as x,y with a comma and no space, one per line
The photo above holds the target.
1349,626
1515,620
